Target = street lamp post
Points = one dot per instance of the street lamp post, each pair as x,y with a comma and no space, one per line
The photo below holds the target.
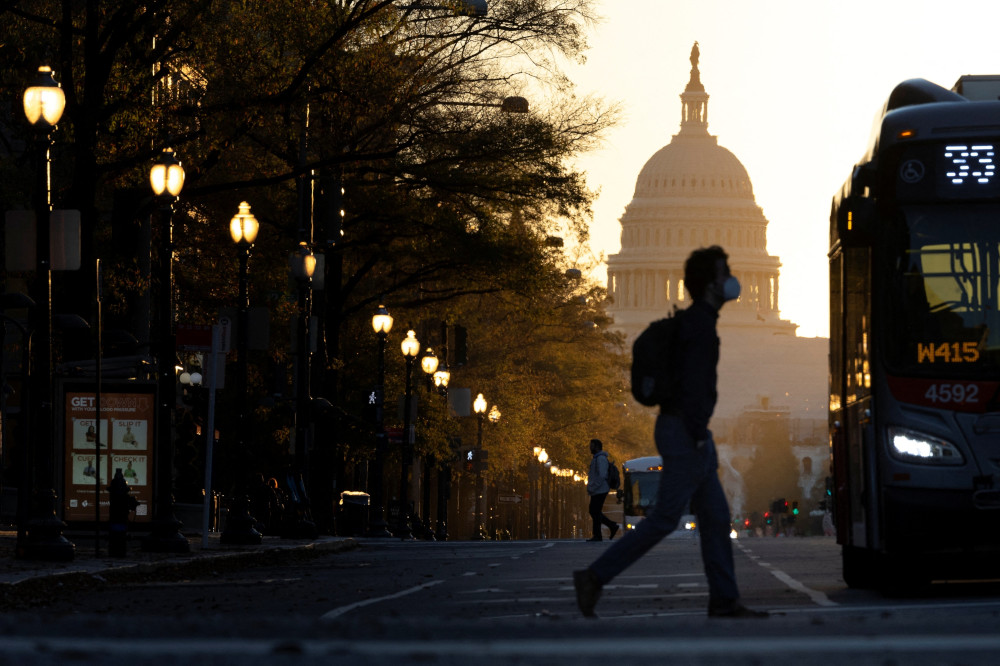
547,482
302,263
538,513
429,364
479,407
166,178
243,229
441,379
44,102
494,417
23,488
382,323
556,501
410,348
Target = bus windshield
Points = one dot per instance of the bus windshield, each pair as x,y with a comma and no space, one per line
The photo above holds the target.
944,300
640,491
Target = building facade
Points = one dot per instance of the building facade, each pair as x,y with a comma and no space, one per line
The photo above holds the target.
694,193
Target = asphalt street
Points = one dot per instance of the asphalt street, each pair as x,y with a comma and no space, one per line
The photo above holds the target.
393,602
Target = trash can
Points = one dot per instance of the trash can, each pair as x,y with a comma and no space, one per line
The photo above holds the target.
353,519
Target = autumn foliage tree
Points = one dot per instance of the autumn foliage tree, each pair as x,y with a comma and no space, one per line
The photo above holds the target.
374,131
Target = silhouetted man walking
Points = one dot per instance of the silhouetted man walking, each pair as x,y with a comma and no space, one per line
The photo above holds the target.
598,489
689,457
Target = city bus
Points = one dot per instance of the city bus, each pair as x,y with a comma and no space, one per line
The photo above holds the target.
915,343
640,481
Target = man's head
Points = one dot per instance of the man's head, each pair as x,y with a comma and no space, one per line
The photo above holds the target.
595,446
706,274
701,269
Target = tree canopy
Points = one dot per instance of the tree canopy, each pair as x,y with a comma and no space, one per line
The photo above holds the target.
379,133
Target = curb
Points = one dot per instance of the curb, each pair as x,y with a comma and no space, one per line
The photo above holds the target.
34,591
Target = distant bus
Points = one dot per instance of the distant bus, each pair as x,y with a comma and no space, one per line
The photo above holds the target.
915,343
640,481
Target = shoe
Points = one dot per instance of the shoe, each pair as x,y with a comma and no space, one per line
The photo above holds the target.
597,538
588,591
733,608
614,531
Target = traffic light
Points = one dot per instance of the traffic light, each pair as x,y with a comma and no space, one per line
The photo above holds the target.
475,460
795,508
768,518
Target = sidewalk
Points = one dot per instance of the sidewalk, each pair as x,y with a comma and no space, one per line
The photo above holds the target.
22,574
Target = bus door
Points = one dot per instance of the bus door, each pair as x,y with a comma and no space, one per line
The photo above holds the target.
851,407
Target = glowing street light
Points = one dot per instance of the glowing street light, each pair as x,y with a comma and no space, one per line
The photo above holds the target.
381,324
166,179
243,228
41,537
410,348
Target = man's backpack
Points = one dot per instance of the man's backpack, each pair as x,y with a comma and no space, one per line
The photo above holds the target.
614,476
651,363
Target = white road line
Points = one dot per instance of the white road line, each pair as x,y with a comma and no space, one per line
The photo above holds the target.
336,612
569,600
921,606
646,586
954,646
558,579
816,596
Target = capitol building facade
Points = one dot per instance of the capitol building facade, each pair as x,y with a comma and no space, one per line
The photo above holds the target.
694,193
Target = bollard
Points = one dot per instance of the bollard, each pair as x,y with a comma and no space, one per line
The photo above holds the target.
122,503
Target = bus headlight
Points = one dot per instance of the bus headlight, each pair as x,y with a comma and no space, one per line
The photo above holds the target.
917,447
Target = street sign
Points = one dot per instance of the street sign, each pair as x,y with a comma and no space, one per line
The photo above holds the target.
510,499
193,337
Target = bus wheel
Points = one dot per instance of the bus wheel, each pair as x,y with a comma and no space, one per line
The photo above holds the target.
860,567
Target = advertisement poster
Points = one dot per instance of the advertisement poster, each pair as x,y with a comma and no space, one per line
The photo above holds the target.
127,422
85,433
130,435
84,470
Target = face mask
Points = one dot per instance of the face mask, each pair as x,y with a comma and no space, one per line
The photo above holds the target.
731,289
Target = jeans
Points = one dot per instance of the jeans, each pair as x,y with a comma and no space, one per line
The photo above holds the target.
597,514
689,474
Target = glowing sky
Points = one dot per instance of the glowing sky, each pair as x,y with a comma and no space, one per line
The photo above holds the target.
794,87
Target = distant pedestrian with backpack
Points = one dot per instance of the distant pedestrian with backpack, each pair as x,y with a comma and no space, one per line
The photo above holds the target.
598,486
690,462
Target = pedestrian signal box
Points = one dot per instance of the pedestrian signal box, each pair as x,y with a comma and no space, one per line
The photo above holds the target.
475,459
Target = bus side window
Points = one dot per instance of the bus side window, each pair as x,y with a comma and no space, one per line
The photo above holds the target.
836,334
857,333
